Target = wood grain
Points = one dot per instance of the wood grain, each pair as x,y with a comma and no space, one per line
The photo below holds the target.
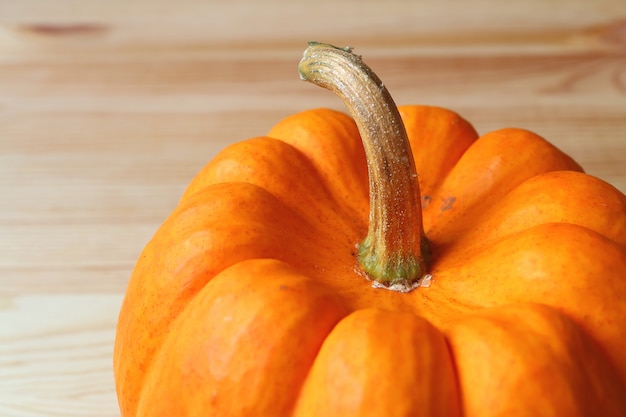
107,109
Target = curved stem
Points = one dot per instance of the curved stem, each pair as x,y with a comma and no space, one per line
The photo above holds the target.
395,251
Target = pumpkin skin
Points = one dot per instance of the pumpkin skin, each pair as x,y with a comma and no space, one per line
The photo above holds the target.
247,301
252,298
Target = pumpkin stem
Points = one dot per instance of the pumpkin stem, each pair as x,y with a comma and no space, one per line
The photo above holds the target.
395,252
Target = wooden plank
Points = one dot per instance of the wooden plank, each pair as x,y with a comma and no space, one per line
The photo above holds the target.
55,356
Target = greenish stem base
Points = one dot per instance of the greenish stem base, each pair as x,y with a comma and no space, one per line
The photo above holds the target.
402,273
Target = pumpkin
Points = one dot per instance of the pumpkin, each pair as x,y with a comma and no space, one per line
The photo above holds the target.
313,272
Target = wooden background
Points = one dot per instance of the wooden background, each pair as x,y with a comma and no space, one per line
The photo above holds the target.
107,109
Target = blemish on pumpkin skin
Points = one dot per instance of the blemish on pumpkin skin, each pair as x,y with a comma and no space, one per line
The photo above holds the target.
447,204
426,199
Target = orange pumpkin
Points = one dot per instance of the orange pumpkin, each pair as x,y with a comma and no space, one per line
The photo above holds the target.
266,291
